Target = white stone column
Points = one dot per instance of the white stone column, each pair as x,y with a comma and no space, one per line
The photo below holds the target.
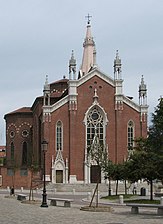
66,172
85,173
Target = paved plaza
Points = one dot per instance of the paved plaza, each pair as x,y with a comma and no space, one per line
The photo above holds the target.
15,212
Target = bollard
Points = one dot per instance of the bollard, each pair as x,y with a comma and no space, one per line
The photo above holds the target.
120,199
89,196
8,188
161,200
93,191
98,195
21,189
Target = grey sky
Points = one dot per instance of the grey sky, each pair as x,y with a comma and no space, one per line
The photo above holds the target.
37,37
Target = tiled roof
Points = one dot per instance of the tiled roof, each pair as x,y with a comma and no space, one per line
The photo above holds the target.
2,147
21,110
56,94
2,151
60,81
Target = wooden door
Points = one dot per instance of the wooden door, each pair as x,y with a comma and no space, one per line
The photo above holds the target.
95,174
59,176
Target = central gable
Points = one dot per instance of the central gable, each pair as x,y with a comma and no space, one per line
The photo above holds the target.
95,72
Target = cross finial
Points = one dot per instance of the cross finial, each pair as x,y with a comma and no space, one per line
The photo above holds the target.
88,17
46,80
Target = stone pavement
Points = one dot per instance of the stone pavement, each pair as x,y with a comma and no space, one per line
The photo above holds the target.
13,211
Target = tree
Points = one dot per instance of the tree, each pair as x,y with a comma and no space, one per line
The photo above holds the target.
148,155
118,174
108,168
143,165
155,138
97,154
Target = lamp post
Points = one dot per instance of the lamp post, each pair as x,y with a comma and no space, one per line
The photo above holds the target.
44,146
109,192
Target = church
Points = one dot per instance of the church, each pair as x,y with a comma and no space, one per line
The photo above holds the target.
68,115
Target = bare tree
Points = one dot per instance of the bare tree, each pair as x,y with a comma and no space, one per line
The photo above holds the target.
97,155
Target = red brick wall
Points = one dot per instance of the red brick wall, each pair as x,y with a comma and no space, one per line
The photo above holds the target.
18,123
74,128
17,180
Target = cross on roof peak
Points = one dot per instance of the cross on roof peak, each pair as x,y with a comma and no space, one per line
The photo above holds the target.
88,17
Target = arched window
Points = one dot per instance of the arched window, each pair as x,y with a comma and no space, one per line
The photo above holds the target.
24,154
130,130
95,122
12,151
59,137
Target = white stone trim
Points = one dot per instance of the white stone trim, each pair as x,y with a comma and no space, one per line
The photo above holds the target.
58,164
131,103
72,179
59,104
98,73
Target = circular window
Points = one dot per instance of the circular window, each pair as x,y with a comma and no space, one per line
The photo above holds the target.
12,134
95,116
25,133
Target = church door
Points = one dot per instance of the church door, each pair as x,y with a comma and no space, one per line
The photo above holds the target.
59,176
95,174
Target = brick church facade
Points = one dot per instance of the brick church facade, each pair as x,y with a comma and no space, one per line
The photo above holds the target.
68,115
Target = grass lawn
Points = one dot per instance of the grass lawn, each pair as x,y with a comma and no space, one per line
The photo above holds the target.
131,199
143,201
115,197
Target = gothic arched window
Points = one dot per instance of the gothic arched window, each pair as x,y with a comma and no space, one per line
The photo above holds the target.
130,134
59,137
12,151
24,154
95,122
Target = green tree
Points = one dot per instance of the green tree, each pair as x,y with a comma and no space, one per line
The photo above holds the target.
155,137
118,174
108,169
144,163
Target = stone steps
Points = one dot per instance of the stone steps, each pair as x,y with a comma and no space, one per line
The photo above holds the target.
90,187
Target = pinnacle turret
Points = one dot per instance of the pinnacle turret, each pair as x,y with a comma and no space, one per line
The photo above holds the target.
142,92
72,66
117,66
46,92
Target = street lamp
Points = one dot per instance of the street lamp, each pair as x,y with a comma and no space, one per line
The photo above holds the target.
44,147
109,192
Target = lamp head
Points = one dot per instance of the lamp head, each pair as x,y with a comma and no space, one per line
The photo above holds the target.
44,145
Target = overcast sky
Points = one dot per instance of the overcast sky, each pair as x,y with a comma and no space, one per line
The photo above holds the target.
37,37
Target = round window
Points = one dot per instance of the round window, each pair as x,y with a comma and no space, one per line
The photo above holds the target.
25,133
95,116
12,134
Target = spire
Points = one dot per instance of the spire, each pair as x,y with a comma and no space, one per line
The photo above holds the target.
89,53
117,66
142,92
72,66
